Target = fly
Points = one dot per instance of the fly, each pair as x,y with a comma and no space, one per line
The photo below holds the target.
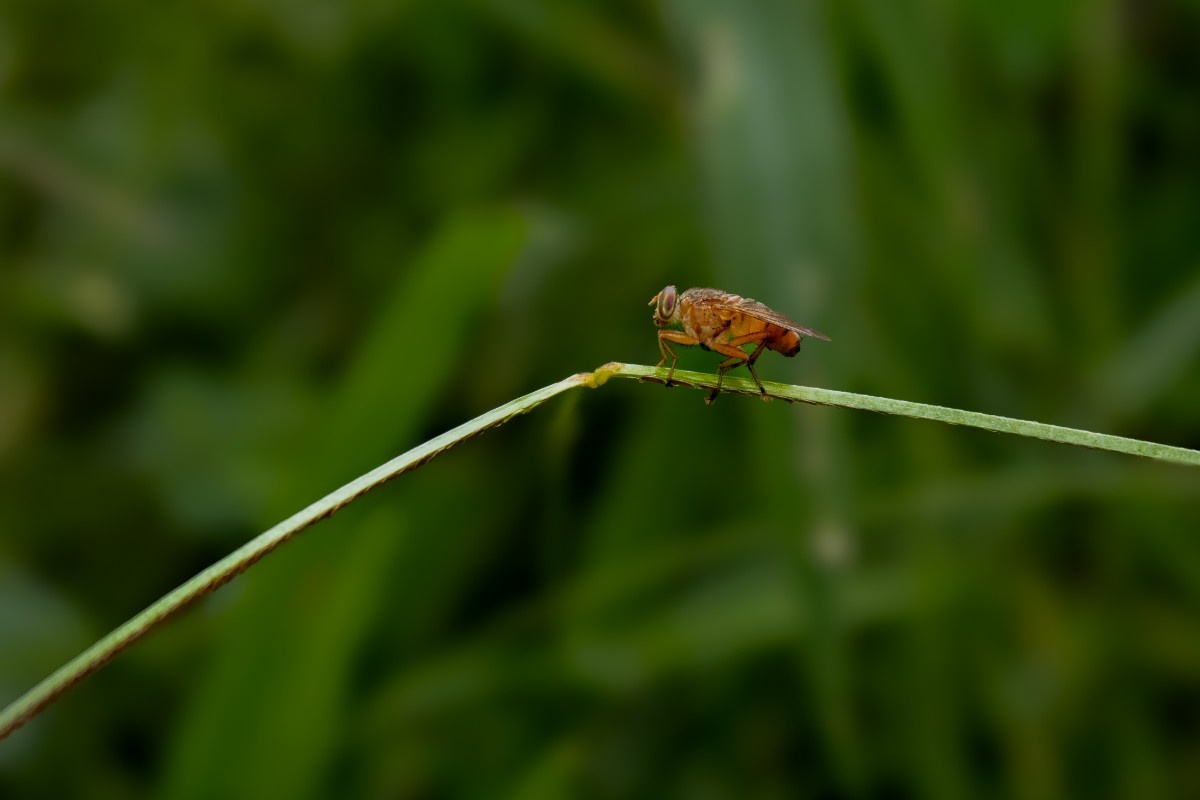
724,323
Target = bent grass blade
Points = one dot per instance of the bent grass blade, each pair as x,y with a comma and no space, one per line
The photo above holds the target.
36,699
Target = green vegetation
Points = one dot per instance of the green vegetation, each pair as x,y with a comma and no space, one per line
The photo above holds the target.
249,251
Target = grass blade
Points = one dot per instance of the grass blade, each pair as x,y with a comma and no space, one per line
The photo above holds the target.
36,699
220,573
904,408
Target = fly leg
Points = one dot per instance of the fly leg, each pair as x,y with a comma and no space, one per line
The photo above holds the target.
762,343
722,368
737,356
667,352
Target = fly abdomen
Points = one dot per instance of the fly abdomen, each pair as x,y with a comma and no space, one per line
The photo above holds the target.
788,344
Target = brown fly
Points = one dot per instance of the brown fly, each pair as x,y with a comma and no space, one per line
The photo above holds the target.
723,323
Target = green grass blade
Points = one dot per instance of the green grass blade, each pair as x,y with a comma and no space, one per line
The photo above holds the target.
285,641
36,699
1154,358
220,573
904,408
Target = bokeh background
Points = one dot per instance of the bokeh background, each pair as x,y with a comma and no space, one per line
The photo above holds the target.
249,250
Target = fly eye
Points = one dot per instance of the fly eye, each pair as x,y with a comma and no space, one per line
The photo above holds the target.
666,302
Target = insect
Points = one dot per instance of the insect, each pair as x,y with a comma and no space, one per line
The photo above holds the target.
723,323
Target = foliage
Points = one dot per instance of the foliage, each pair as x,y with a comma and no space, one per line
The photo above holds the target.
248,251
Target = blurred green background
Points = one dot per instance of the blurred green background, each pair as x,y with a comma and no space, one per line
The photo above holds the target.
251,250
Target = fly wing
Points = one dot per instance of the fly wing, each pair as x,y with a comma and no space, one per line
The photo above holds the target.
717,299
753,308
